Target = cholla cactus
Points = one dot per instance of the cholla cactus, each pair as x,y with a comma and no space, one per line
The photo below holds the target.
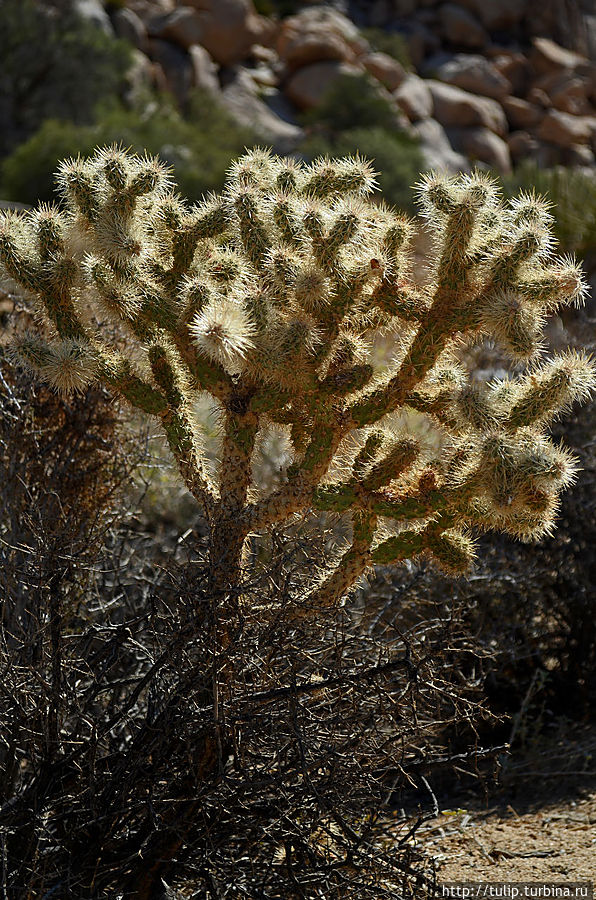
275,298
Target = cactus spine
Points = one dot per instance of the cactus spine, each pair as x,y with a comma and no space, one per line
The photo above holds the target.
269,297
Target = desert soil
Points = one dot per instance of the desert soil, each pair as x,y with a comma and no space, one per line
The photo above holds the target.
554,843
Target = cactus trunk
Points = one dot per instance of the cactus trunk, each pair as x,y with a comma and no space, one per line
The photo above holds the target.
228,528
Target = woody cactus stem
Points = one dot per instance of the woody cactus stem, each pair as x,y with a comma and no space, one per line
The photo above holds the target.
272,298
228,533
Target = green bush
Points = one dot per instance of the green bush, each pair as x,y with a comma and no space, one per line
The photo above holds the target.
54,65
389,42
352,100
395,156
573,195
356,99
199,148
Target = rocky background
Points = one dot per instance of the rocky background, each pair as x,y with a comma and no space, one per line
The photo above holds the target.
495,82
509,85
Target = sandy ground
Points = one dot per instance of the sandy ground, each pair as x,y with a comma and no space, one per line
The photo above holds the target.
555,843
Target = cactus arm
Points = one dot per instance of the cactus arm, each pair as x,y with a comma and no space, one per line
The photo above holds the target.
177,424
449,313
206,375
50,278
429,343
405,545
116,372
348,570
182,442
297,493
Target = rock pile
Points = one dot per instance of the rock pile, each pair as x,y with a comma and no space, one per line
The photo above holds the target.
485,87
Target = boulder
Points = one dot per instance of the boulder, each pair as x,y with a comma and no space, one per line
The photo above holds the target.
340,24
564,130
521,114
306,87
148,9
263,76
266,32
204,70
547,57
414,98
497,15
436,150
458,109
475,74
461,28
385,69
229,28
567,92
264,55
481,144
537,97
130,27
183,26
318,34
513,66
139,79
421,42
299,49
521,145
241,98
92,11
577,155
176,67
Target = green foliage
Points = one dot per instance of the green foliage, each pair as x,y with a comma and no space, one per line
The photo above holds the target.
200,148
354,116
573,195
390,42
54,65
396,156
352,100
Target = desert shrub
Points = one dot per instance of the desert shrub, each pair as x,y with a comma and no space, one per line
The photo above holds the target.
390,42
199,147
352,101
106,697
540,609
256,718
54,65
107,661
64,470
354,117
573,195
395,156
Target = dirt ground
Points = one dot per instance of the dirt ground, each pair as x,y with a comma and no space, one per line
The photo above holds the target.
555,843
541,827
